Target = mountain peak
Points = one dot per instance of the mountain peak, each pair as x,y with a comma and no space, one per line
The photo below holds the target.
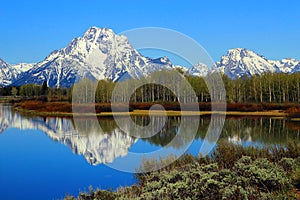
199,69
238,49
99,54
240,62
239,53
95,33
102,54
7,73
23,67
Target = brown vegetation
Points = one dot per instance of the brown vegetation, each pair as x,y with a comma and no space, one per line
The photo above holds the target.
66,107
294,112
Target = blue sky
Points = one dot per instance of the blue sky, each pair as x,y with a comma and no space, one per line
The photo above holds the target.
31,29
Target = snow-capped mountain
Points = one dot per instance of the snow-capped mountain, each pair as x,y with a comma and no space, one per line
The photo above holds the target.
10,73
102,54
7,73
23,67
296,68
199,69
242,62
99,54
287,65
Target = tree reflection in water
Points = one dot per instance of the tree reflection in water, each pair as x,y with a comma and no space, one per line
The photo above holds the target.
103,145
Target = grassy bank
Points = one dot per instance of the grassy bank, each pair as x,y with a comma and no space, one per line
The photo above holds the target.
231,172
41,108
9,99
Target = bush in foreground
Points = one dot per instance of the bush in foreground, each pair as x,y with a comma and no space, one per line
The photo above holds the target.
252,173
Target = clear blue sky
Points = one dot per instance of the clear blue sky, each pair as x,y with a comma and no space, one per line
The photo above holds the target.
31,29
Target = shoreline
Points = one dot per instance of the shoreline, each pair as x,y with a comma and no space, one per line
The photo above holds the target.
289,112
171,113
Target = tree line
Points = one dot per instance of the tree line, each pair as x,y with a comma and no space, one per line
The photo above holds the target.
266,88
39,92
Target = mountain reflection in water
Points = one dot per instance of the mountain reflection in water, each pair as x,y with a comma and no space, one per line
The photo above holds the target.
103,145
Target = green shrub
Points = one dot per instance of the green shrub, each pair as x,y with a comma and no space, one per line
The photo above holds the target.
231,172
288,164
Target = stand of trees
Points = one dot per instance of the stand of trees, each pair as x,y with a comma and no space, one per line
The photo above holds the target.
39,92
266,88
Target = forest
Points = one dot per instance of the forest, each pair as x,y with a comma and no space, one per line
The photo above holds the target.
266,88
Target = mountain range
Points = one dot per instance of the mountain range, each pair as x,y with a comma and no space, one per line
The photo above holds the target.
102,54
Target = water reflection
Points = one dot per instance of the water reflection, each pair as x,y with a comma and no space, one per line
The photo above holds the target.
260,130
105,144
97,146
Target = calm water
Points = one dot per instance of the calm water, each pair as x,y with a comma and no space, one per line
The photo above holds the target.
45,158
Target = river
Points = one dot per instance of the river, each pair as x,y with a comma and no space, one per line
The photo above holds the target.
47,158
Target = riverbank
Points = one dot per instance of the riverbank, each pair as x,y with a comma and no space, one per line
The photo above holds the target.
231,172
64,109
8,99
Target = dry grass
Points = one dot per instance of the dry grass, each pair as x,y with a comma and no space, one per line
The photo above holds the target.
171,109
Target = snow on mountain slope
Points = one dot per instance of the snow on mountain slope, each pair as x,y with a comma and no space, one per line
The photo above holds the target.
199,69
99,54
286,65
7,73
184,69
296,68
23,67
242,62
